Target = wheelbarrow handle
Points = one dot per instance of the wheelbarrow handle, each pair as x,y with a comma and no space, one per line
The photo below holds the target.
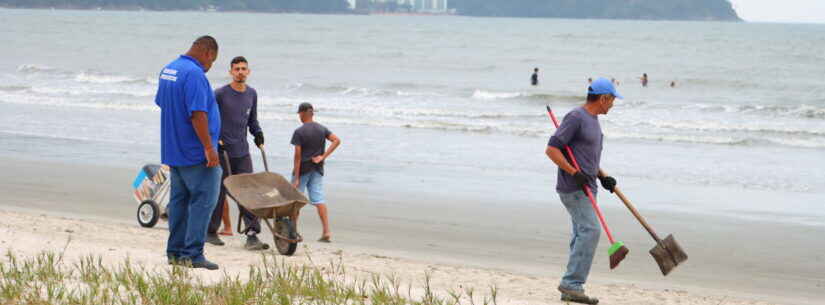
263,156
228,165
637,215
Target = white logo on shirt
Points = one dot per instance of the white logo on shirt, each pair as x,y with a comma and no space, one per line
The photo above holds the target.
169,74
169,77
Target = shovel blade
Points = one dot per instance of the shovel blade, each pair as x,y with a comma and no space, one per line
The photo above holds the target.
668,254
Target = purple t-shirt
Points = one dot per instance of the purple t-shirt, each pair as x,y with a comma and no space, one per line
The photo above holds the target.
239,113
581,131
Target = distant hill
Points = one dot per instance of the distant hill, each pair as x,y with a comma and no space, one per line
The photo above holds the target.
605,9
602,9
223,5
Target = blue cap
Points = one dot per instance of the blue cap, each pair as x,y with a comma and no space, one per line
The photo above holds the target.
603,86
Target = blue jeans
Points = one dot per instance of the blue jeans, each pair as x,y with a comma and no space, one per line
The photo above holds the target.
586,233
191,202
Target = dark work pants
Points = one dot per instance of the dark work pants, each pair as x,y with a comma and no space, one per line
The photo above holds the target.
242,165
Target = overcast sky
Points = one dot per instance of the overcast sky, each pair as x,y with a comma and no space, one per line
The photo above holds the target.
781,10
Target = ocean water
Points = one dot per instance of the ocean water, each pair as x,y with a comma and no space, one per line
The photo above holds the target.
443,104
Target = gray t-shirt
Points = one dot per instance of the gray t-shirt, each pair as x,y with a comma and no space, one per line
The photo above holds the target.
312,137
239,111
581,131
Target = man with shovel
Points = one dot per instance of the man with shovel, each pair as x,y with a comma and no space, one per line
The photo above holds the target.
580,130
238,104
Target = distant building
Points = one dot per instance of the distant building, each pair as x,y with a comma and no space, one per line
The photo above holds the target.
421,6
431,6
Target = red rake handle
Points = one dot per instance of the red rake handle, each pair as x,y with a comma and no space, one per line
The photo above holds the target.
586,187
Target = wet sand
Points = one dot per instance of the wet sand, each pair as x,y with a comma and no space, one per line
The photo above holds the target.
732,261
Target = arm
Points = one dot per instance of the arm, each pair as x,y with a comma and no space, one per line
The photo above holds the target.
558,157
335,142
296,167
196,98
201,125
254,125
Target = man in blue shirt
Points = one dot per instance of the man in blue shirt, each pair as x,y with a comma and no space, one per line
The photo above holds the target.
581,131
189,127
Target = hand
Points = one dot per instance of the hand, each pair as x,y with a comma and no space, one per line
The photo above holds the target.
296,182
211,157
608,183
581,178
318,159
259,138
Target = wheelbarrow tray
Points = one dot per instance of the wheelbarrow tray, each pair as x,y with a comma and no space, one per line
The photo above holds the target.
267,195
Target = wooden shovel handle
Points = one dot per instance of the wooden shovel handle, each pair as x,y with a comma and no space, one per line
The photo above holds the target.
637,215
263,156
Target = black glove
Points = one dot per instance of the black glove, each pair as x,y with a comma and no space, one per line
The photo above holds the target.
581,178
608,183
259,138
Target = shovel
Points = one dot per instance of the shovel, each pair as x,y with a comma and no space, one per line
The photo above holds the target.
667,253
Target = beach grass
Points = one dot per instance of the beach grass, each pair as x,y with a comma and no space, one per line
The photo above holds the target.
46,278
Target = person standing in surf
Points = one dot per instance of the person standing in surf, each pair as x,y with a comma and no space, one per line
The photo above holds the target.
581,131
534,79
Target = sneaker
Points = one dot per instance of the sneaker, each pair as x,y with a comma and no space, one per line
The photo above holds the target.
214,239
172,260
576,296
253,243
205,264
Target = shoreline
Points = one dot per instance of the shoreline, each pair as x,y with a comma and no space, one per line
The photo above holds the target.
425,229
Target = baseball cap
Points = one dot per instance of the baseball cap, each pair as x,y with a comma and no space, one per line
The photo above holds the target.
603,86
303,107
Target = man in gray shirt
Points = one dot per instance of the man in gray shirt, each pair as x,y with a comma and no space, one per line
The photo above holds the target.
581,131
310,141
238,104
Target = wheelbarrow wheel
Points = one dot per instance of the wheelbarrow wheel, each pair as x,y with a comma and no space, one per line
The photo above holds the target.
148,214
285,228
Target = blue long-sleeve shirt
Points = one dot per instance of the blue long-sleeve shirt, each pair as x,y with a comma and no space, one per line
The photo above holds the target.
239,113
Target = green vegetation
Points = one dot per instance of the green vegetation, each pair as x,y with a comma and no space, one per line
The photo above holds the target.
46,279
610,9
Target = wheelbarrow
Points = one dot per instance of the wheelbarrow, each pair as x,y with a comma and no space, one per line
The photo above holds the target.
273,199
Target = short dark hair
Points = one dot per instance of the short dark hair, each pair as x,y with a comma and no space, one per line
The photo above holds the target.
207,42
237,60
593,97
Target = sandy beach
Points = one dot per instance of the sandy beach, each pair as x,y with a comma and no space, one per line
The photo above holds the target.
88,210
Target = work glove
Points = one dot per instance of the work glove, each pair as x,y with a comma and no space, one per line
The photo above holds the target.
580,178
259,138
608,183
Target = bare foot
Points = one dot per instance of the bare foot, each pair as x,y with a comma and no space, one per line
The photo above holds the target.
226,232
325,239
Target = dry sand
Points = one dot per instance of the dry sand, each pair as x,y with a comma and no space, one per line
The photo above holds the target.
471,241
28,234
